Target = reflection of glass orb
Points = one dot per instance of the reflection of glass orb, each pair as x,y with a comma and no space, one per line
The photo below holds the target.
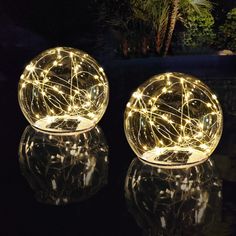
174,201
64,168
173,120
63,90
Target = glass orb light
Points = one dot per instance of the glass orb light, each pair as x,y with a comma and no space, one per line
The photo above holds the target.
173,120
64,168
63,90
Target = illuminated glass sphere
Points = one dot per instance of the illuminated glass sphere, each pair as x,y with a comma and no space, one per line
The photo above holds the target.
173,120
64,168
63,90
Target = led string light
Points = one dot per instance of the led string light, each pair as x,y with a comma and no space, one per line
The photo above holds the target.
173,119
63,89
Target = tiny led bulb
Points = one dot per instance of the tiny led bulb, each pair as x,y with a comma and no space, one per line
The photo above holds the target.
50,82
185,126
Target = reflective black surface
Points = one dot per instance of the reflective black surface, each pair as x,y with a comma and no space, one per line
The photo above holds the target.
62,169
40,196
174,201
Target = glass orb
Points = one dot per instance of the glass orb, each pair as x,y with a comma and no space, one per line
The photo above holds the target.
173,120
174,201
64,168
63,90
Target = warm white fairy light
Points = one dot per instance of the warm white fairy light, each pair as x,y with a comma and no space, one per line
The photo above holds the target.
63,90
177,129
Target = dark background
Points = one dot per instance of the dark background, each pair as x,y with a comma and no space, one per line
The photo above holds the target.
27,28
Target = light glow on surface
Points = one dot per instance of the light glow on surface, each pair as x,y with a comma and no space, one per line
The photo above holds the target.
173,120
174,201
64,168
63,90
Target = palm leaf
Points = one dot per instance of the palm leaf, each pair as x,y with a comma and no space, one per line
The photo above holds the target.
196,5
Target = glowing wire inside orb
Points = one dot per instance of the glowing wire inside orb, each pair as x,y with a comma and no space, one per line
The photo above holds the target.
63,90
173,120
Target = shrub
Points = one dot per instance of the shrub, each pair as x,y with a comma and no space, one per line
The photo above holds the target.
227,32
198,35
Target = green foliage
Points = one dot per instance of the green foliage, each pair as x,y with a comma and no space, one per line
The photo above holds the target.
188,6
198,35
140,27
227,32
154,13
114,14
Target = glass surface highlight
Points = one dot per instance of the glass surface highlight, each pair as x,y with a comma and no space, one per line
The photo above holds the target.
63,90
64,168
174,201
173,120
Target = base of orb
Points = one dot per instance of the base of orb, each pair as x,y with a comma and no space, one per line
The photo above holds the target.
64,124
174,157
